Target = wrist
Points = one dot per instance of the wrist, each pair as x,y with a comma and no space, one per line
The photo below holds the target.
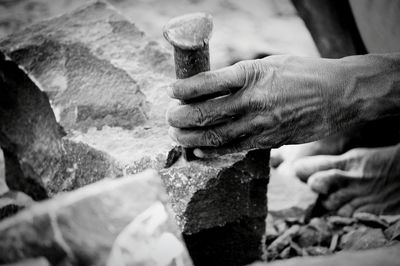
371,88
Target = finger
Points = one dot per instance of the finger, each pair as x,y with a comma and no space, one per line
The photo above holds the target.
215,136
238,146
308,166
276,158
340,198
348,209
327,181
218,82
376,208
206,113
392,206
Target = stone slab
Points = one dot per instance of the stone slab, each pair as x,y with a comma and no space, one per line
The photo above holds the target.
207,194
39,159
82,227
96,75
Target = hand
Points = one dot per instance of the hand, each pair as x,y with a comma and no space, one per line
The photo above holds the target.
360,180
257,104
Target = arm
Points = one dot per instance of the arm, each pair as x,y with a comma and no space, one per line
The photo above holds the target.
283,100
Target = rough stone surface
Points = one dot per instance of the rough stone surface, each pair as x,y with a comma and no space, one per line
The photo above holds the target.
263,26
81,165
204,197
127,72
340,221
29,134
39,160
85,72
85,226
236,243
381,256
363,238
370,220
393,232
221,207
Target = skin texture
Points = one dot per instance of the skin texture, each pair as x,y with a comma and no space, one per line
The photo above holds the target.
282,100
380,133
286,100
360,180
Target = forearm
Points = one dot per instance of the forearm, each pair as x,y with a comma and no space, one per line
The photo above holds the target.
283,99
372,87
330,95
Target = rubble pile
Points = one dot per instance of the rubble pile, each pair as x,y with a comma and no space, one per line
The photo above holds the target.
293,237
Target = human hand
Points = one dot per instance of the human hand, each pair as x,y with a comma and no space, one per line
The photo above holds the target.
255,104
360,180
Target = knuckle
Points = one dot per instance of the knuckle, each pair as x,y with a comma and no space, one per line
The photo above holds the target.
213,138
331,173
263,142
251,68
198,115
255,142
175,90
171,115
201,117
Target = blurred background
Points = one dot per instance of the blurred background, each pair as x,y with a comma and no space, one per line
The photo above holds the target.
242,29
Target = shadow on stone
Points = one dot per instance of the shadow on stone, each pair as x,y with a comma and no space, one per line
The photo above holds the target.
234,244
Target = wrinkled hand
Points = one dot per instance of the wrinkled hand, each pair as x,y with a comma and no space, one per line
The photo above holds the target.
253,104
360,180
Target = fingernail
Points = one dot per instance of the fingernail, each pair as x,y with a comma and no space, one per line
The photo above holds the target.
170,91
318,185
198,153
172,134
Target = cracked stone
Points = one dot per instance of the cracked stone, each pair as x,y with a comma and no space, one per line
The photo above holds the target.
363,238
317,232
87,226
236,243
370,220
393,231
205,194
39,159
91,81
221,206
339,221
283,241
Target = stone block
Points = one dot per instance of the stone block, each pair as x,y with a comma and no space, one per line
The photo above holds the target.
91,225
363,238
212,193
39,159
94,64
30,134
221,206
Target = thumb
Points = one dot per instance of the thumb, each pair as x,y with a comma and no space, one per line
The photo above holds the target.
237,146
